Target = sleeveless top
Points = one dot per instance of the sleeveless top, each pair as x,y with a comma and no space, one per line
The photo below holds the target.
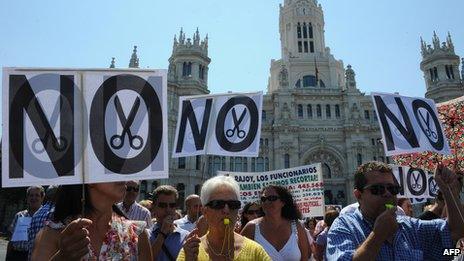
251,251
290,251
121,240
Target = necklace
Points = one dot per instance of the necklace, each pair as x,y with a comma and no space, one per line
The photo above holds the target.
227,255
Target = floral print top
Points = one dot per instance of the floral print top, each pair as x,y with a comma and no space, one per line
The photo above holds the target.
121,240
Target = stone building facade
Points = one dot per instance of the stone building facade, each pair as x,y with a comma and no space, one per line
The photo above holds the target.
313,110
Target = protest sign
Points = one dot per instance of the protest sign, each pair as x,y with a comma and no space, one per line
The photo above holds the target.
305,183
409,125
415,183
59,124
223,124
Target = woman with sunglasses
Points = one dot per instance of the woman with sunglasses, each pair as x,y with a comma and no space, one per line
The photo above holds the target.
279,231
100,231
250,211
220,198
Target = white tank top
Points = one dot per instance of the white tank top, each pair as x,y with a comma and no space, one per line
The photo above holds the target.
290,251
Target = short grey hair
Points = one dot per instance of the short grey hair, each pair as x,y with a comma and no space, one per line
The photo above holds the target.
216,182
40,188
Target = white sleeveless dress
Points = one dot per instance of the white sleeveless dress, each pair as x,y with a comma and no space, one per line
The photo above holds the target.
290,251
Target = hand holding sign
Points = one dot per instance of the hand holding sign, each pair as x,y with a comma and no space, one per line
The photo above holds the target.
74,240
447,181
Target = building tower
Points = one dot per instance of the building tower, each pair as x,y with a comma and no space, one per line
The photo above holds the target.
188,64
134,61
440,66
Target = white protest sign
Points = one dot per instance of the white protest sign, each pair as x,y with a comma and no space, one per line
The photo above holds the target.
59,124
409,125
40,144
21,228
127,126
415,183
222,124
305,183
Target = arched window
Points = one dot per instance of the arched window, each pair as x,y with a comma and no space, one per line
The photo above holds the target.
266,142
298,30
360,159
309,81
286,161
319,111
337,111
260,164
305,32
328,113
310,29
309,110
266,164
187,69
326,171
300,111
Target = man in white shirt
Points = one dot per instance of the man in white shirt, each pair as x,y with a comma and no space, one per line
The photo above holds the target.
132,209
193,206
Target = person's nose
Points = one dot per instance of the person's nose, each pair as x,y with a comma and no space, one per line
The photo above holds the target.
226,209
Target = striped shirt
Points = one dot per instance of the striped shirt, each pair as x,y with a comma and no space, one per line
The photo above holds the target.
137,212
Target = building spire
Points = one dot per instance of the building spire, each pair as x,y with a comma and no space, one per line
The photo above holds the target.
436,41
134,61
112,65
449,42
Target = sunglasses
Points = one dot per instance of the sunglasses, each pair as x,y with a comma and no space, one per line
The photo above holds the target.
269,198
220,204
253,212
165,205
380,189
135,189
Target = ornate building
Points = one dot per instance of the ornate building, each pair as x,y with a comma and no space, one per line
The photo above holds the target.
313,110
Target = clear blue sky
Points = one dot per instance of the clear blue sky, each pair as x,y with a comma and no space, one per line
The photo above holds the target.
380,39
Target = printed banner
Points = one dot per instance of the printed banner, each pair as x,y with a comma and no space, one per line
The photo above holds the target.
69,126
409,125
305,183
415,183
224,124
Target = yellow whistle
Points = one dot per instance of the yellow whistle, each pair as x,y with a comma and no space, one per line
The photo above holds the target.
389,206
226,221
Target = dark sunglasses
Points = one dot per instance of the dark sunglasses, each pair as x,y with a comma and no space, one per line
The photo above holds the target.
165,205
135,189
253,212
220,204
380,189
269,198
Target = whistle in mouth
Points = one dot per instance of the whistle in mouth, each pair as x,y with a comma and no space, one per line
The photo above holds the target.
389,206
226,221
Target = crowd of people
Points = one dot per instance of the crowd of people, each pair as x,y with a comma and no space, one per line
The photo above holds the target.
111,225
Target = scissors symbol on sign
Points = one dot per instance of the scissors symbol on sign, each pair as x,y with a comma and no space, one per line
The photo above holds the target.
428,131
416,184
240,133
135,141
58,143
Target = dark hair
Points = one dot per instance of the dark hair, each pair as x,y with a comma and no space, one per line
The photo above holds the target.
360,180
165,190
401,201
330,216
289,210
309,220
244,220
69,203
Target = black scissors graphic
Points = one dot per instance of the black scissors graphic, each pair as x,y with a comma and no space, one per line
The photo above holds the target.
59,143
428,131
240,133
416,184
135,141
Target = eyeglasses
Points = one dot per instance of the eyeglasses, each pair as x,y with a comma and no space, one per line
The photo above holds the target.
165,205
380,189
253,212
220,204
135,189
270,198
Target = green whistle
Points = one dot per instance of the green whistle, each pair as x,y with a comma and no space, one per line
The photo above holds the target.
389,206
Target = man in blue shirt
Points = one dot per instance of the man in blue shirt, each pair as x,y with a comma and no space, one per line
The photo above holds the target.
166,238
375,232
